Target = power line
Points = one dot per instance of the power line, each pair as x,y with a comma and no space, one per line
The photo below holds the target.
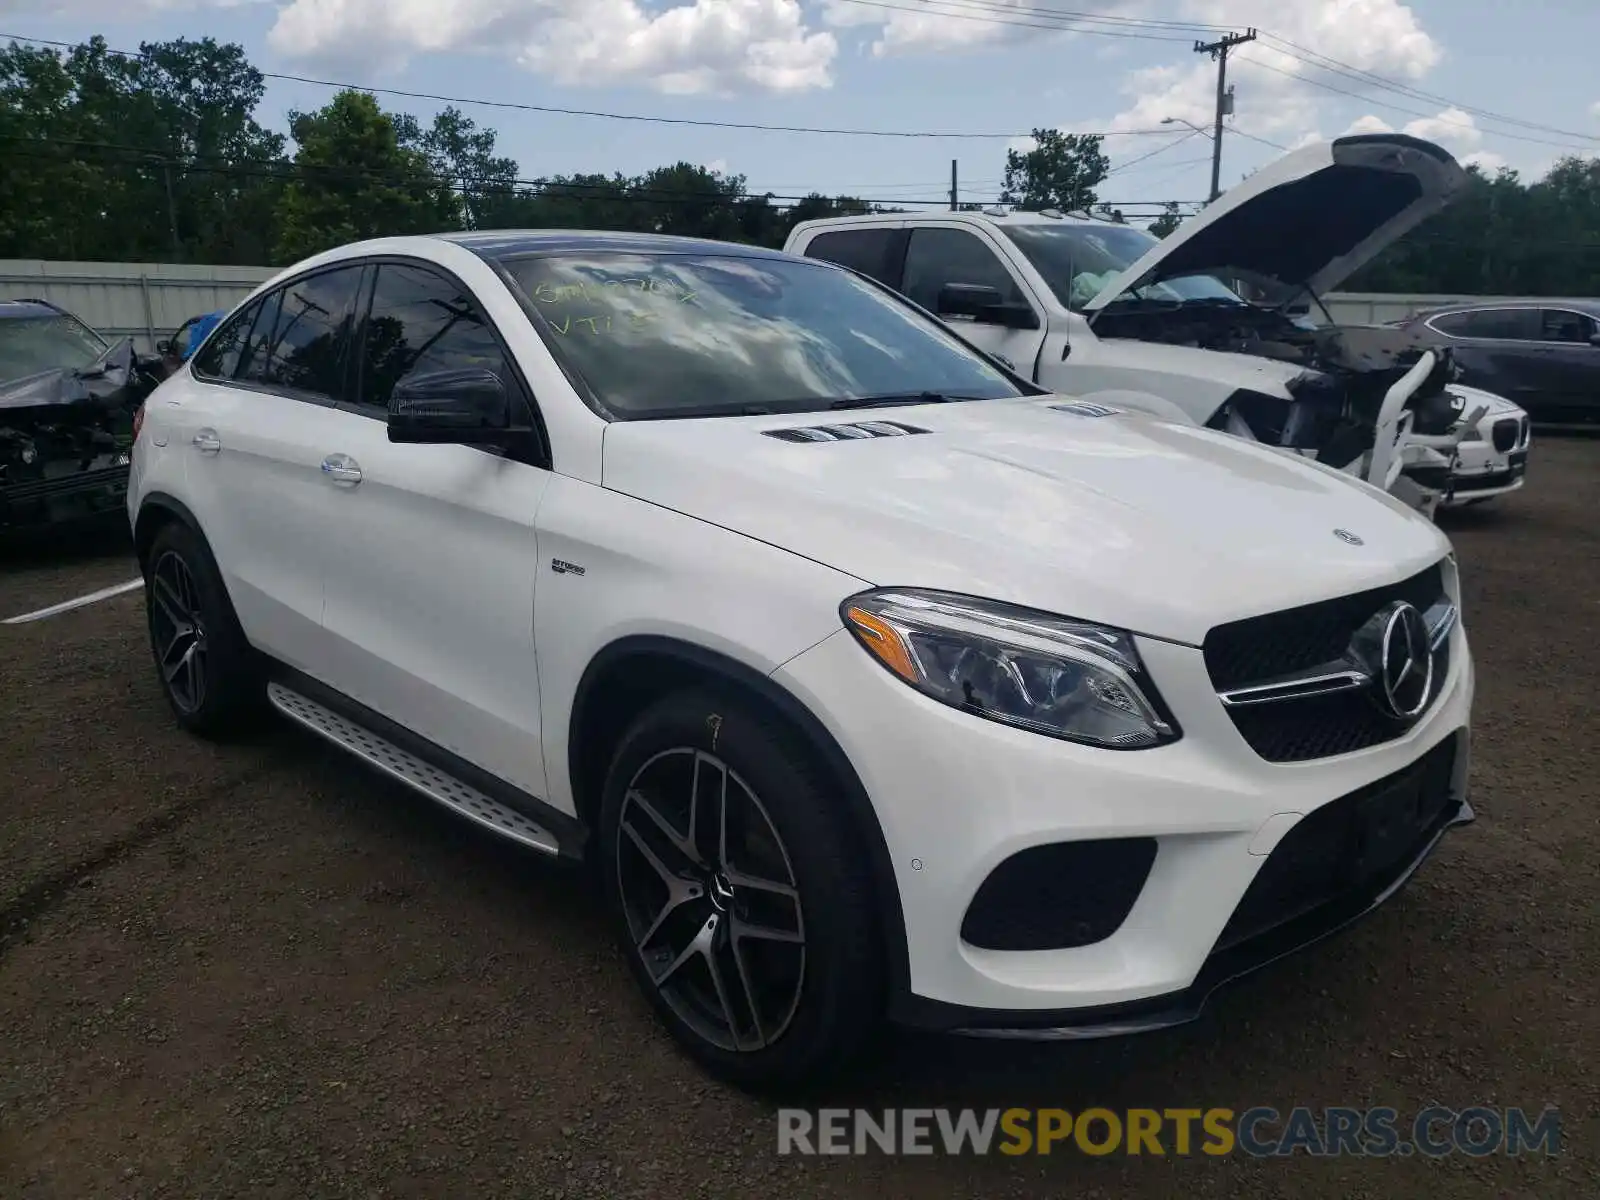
1415,112
602,115
1336,67
999,11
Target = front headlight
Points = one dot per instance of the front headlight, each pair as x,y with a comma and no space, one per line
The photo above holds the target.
1052,675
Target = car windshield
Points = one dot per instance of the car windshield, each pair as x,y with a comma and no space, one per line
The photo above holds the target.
30,345
1078,261
663,335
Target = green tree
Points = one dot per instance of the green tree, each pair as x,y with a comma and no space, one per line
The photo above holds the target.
1061,171
464,155
1169,220
354,179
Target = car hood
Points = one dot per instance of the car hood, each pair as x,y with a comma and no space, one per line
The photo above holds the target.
1311,219
105,376
1058,505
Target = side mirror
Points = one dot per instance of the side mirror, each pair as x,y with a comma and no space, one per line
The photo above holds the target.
165,347
468,406
984,305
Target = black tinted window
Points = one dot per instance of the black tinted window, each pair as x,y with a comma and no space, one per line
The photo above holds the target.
669,334
936,257
1563,325
220,358
306,350
1518,324
258,342
1454,324
422,321
870,251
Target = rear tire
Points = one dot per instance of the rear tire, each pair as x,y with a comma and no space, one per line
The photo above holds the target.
742,900
208,672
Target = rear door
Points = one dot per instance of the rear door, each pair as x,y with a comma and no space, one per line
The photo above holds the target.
429,612
937,255
268,388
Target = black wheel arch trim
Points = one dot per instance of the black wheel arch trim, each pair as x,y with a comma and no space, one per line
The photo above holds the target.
891,915
172,507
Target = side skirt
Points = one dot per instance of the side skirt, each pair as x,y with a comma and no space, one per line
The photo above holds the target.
419,764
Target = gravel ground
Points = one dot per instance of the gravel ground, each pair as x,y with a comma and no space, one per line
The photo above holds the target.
261,971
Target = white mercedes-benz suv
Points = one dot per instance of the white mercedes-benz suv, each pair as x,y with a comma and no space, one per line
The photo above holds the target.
873,681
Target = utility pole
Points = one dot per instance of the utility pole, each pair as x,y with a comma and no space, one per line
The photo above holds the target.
1219,51
952,185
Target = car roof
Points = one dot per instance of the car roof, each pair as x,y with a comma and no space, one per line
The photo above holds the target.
22,309
515,243
967,216
1586,306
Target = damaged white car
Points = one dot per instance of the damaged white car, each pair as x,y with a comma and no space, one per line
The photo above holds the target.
1085,307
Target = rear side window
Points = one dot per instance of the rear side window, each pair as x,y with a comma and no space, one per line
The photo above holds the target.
421,320
220,357
311,337
873,252
258,342
1508,324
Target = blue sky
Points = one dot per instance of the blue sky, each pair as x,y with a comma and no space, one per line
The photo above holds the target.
979,66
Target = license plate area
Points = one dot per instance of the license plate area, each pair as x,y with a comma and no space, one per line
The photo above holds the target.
1388,828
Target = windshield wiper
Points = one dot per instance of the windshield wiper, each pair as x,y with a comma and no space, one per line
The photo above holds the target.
889,399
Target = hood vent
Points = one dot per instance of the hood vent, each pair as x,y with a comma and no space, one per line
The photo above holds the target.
845,433
1083,408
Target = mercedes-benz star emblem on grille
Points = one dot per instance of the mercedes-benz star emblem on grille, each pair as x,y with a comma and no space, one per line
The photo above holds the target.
1405,668
1344,535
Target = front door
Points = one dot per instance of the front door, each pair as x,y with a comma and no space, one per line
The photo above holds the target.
429,591
943,254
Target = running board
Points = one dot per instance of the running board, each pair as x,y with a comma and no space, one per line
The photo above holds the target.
400,764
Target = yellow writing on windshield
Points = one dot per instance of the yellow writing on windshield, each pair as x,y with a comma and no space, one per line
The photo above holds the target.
594,292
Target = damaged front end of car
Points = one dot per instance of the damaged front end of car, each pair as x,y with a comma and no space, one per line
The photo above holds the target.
1371,401
66,436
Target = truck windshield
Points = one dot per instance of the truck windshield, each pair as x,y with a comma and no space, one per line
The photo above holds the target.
664,335
1077,261
31,345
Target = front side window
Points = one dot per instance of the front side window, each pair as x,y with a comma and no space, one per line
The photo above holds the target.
1564,325
938,256
30,345
663,335
1452,324
257,351
1078,261
422,321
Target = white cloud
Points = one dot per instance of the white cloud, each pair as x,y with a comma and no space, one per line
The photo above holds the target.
703,46
903,29
1273,98
1594,109
1486,161
1368,124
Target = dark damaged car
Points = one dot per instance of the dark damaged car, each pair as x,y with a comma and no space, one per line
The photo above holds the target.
68,400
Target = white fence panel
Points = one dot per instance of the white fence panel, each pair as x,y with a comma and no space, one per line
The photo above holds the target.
144,301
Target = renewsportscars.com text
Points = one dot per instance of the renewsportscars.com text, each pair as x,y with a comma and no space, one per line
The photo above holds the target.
1433,1132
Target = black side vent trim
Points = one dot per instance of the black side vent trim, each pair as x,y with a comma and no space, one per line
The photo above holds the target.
845,433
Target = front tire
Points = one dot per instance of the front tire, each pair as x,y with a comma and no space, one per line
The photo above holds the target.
742,900
207,669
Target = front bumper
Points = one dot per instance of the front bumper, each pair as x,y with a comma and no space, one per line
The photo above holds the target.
956,796
61,499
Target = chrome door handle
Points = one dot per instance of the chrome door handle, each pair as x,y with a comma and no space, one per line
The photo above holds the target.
206,441
341,468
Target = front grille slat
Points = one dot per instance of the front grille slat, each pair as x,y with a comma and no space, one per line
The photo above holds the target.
1258,649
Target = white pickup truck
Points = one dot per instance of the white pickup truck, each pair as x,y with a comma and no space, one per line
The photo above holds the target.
1088,306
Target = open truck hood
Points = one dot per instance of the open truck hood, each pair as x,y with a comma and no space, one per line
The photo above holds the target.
1311,219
